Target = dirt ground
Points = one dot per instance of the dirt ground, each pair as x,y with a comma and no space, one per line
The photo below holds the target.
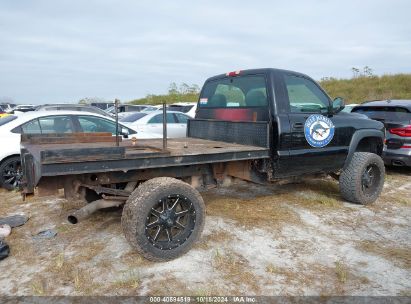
293,239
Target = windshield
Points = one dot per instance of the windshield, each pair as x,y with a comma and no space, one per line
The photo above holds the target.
133,117
6,119
395,114
234,92
110,109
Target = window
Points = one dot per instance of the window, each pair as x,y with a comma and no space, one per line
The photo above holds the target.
180,108
134,116
56,124
31,127
305,96
46,125
397,114
90,124
159,118
181,118
235,92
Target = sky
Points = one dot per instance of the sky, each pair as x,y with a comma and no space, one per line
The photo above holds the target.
62,51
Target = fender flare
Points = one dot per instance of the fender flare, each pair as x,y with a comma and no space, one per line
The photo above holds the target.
357,137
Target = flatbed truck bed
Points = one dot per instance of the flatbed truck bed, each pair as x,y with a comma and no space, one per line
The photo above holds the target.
62,159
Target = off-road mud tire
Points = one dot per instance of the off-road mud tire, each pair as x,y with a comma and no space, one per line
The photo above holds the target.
138,207
350,181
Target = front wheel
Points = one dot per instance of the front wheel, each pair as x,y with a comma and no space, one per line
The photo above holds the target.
163,218
363,179
10,173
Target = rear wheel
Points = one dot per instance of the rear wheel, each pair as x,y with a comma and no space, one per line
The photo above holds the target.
362,181
10,173
163,218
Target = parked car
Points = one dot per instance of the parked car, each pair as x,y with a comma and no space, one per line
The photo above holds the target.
72,107
349,107
2,112
7,106
126,108
152,108
21,109
188,108
102,105
153,123
46,122
396,116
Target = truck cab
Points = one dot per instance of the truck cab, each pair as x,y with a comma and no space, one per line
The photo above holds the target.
286,100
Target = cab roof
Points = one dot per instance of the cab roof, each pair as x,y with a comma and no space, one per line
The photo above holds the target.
265,71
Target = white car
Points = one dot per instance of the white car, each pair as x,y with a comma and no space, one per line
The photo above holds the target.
46,122
188,108
153,123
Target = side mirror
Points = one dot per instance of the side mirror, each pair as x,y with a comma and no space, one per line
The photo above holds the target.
124,132
338,104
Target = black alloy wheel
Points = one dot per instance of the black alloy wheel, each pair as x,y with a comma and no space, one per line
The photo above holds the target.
370,179
170,222
11,173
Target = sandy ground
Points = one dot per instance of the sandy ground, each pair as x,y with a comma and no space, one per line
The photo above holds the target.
293,239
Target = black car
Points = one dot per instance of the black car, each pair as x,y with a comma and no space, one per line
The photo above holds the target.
396,116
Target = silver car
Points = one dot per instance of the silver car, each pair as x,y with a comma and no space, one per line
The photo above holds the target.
396,116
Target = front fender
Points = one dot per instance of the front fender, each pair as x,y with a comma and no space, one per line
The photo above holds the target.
357,137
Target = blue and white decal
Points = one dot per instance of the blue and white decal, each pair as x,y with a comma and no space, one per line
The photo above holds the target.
318,130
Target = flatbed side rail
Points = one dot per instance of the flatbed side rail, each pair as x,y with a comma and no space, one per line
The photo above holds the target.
251,133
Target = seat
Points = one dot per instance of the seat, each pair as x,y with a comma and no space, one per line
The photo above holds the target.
255,98
61,125
218,100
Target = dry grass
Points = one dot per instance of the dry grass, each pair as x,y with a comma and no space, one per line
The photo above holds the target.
129,280
75,263
235,269
167,284
261,211
216,237
341,271
37,287
272,209
400,256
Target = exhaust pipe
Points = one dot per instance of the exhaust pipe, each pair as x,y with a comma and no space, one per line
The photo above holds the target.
86,211
398,163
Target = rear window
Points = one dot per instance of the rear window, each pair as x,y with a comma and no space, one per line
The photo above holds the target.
180,108
6,119
133,117
397,114
234,92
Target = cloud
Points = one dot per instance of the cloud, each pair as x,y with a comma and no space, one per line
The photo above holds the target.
61,51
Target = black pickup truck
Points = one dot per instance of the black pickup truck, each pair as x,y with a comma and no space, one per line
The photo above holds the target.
257,125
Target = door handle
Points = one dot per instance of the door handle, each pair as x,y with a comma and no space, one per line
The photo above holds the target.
298,125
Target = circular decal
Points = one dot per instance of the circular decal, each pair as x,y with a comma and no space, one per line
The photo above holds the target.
318,130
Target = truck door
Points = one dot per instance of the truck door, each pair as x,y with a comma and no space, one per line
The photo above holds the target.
315,135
